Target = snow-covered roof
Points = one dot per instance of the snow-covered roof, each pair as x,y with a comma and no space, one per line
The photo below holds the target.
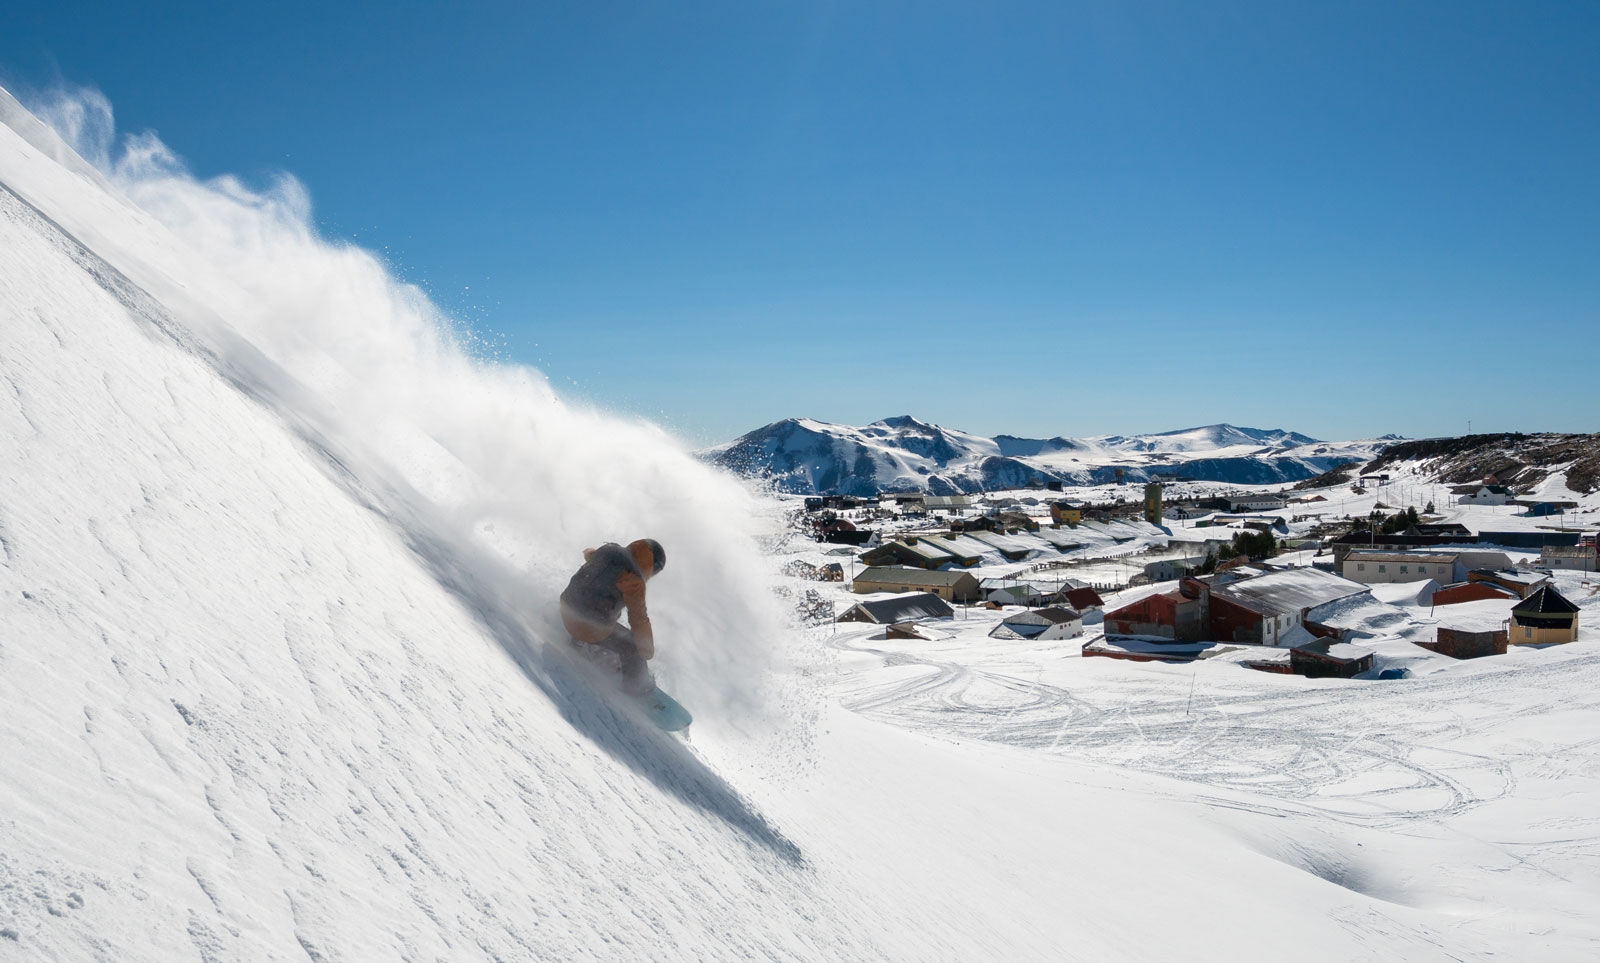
1515,576
1293,590
925,547
962,545
902,608
1418,557
1053,615
1341,651
906,575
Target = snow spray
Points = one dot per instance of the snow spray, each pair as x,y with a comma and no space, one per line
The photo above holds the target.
526,478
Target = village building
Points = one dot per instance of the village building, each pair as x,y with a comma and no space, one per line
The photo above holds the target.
1016,521
1168,569
1060,542
975,523
1257,503
966,550
1573,558
1008,591
909,550
1040,625
1066,513
950,586
1376,568
1472,592
1011,548
1545,508
1086,601
1243,606
1515,580
898,609
1485,495
1449,529
1544,617
955,504
1329,659
1380,567
1264,610
1163,615
1468,643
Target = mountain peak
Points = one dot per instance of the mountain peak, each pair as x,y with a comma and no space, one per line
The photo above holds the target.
902,421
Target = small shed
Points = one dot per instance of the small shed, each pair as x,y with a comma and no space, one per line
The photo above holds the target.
1468,644
1546,616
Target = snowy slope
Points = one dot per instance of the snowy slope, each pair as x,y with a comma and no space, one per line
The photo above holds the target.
276,571
801,455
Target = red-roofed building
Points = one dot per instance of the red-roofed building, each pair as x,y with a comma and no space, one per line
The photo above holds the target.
1165,615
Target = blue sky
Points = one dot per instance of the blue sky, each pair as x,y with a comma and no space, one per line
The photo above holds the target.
1049,218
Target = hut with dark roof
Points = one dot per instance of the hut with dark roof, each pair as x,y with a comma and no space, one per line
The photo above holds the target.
1544,617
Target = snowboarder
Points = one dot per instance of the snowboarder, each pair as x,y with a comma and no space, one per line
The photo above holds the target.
612,579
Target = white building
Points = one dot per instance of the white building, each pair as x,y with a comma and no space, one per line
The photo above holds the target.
1371,568
1575,558
1487,495
1257,503
1041,625
1446,568
1170,568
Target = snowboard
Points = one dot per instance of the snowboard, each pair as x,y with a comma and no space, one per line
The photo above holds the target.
664,710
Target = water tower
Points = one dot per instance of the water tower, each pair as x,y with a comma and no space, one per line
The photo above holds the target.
1152,503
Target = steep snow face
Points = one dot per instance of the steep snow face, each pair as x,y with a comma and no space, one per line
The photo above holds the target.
809,457
509,470
276,663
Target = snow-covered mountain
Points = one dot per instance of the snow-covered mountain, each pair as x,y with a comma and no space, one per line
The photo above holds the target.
903,453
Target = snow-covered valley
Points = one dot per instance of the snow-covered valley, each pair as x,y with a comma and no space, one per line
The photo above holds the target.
281,676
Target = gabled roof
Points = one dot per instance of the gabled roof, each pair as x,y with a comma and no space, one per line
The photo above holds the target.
1545,601
922,548
901,608
1057,614
1288,591
1082,598
910,576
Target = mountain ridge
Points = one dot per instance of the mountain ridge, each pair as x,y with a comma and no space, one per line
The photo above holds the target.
807,456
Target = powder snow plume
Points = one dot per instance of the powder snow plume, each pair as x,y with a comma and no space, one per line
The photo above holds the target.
516,479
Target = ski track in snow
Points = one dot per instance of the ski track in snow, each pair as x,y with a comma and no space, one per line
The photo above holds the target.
1324,747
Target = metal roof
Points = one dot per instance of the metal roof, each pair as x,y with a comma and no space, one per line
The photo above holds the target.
1419,557
901,608
925,548
1289,591
1546,601
909,576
